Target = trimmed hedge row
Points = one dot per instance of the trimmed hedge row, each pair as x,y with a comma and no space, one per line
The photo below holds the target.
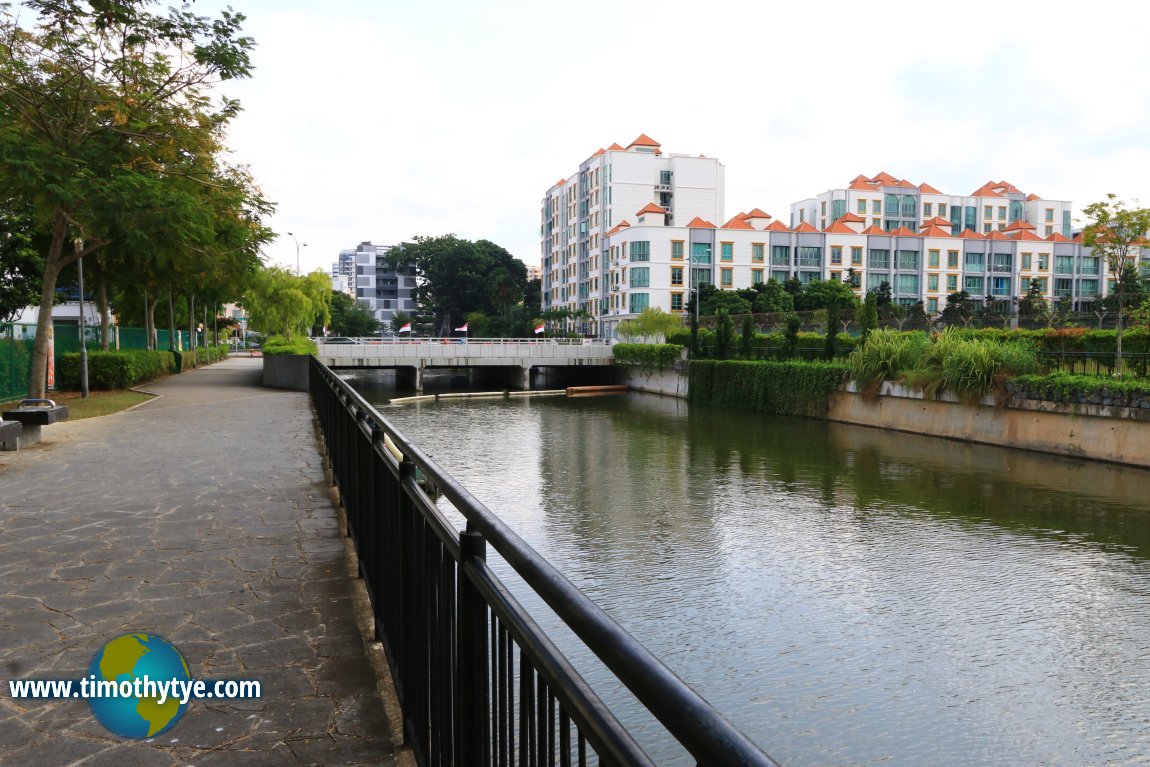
1083,390
647,355
114,370
789,388
276,345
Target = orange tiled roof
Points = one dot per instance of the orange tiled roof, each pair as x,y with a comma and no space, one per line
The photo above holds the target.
561,182
933,230
928,189
700,223
906,184
996,234
599,152
840,227
995,189
872,229
756,213
616,148
863,183
1032,197
805,227
1019,224
778,226
885,178
851,218
621,226
1077,238
902,231
970,234
652,208
742,216
736,223
936,221
644,140
1023,234
1057,237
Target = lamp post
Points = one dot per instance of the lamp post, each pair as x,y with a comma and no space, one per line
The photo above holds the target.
297,247
79,245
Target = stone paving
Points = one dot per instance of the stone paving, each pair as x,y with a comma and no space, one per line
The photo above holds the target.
202,516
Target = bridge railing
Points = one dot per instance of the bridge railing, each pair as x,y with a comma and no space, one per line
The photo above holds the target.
479,682
406,341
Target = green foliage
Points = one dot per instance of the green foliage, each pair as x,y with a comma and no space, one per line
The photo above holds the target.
822,294
866,315
724,334
652,323
791,337
747,336
351,318
773,297
884,355
790,388
1066,387
277,345
15,362
21,265
647,355
114,370
281,303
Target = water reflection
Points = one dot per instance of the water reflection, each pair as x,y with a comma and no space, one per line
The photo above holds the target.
845,595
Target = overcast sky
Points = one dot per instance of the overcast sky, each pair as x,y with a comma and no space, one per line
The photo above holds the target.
384,119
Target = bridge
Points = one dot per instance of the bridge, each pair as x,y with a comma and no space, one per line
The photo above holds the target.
516,357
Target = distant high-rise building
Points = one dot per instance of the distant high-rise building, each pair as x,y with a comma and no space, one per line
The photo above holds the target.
365,274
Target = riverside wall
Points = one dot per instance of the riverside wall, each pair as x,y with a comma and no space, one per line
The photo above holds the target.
1097,432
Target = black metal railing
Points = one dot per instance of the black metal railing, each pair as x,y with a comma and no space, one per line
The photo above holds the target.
479,682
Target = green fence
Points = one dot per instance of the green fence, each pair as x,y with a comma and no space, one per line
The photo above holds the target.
15,360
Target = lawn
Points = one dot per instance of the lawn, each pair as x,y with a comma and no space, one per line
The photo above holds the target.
98,403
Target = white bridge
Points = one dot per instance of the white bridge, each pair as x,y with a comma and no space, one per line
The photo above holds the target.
516,356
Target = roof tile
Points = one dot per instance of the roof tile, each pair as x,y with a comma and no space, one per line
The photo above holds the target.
700,223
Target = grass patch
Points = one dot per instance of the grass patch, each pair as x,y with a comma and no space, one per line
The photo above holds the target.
98,403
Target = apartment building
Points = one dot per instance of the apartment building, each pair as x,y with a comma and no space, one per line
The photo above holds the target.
607,190
364,273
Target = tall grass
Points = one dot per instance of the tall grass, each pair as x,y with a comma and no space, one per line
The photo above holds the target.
885,354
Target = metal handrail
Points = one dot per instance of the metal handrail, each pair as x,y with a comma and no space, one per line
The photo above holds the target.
694,723
430,341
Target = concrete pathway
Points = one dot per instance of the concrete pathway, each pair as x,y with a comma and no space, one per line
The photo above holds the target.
203,517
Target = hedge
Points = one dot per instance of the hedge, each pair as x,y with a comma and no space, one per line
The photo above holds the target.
647,355
114,369
1066,387
276,345
789,388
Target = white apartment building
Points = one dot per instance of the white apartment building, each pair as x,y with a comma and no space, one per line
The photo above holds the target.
364,273
611,187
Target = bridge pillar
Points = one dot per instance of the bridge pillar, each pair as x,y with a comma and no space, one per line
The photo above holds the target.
409,377
525,378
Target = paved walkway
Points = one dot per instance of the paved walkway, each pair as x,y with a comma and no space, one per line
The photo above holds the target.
203,517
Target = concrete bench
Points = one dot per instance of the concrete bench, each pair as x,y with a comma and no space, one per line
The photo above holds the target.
29,416
10,432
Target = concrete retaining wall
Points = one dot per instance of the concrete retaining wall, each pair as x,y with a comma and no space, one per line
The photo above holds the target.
671,382
286,371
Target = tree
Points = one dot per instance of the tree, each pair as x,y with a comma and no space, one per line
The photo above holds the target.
791,336
20,263
1118,234
104,118
747,336
883,295
724,333
866,315
821,294
773,297
652,323
351,318
456,277
793,285
1033,304
959,308
724,299
280,303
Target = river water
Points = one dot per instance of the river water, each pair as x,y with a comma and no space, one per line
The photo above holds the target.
846,596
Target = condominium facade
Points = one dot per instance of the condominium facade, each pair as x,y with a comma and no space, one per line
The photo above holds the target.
364,273
607,190
875,230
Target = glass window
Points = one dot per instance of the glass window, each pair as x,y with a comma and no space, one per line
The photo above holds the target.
932,282
1003,262
1090,265
892,205
727,251
780,255
932,305
699,276
973,285
1049,230
928,209
1043,261
952,259
639,302
1065,223
1088,288
875,280
856,279
781,276
810,256
640,251
838,209
756,276
907,259
987,210
909,206
676,275
1025,261
879,259
876,207
677,250
1001,212
836,254
1000,286
907,284
836,276
807,278
856,255
757,252
726,277
1050,214
676,302
952,283
932,259
1015,210
986,228
975,262
862,206
1064,264
1063,288
700,253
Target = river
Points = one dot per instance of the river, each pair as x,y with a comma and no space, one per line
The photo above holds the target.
846,596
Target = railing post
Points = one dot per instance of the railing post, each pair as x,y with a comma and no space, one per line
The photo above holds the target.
472,698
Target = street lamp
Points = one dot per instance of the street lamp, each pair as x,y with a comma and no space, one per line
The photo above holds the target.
78,243
297,247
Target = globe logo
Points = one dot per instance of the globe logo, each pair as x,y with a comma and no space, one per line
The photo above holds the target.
125,659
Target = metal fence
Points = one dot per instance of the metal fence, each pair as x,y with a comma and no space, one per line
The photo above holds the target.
479,682
15,361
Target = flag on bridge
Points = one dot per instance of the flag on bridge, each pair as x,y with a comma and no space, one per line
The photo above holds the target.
539,328
462,329
406,328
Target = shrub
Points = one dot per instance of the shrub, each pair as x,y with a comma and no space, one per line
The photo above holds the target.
114,369
647,355
790,388
276,345
884,356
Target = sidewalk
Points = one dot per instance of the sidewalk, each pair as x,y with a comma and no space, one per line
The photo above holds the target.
203,517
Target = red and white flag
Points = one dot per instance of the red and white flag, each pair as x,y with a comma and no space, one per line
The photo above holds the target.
462,329
406,328
539,328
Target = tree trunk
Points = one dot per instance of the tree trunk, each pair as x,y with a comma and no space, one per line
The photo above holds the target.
150,315
147,322
53,263
102,303
171,322
192,326
1118,327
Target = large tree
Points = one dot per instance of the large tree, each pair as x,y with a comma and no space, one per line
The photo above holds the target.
351,318
104,114
456,277
1118,234
281,303
20,261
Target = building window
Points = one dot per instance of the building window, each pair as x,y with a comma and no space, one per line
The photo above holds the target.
907,259
932,259
1088,288
1063,288
1025,262
640,276
726,277
1064,264
862,206
987,210
780,255
1043,262
836,254
975,262
856,255
676,275
876,207
640,251
810,256
676,302
952,283
699,276
1050,215
875,280
757,249
927,209
836,276
1001,212
879,259
932,305
1000,286
700,253
1049,230
756,276
727,251
676,250
932,282
639,302
973,285
986,228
